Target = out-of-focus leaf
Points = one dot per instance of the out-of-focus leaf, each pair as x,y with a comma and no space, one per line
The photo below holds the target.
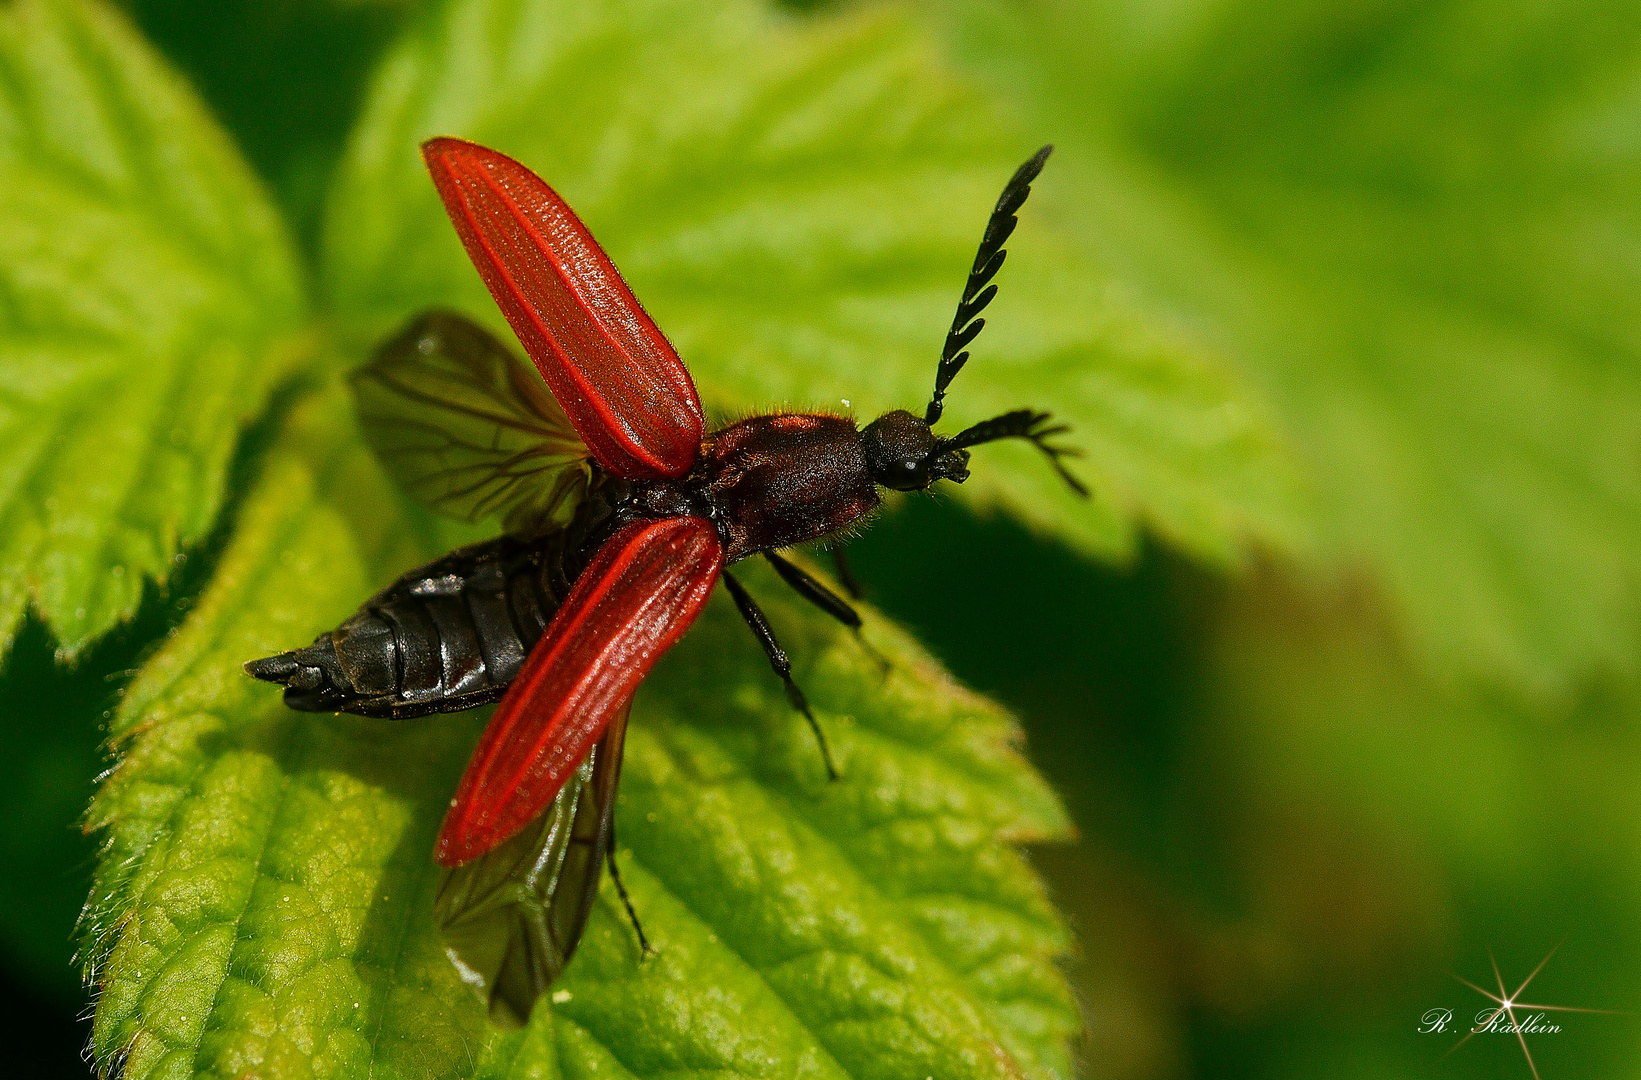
147,302
1379,833
1416,226
264,903
797,203
284,78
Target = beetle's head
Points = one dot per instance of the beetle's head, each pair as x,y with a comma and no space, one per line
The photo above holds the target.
904,455
902,451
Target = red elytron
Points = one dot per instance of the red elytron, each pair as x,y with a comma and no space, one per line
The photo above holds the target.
623,512
617,378
638,597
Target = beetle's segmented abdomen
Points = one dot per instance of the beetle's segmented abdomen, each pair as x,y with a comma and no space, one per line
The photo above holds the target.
449,635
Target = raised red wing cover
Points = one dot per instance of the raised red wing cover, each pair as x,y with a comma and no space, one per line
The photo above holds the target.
643,590
618,379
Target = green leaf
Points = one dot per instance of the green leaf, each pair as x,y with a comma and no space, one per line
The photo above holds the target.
1417,229
797,203
147,304
264,903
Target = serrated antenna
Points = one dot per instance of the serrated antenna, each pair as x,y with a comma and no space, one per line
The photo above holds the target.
979,290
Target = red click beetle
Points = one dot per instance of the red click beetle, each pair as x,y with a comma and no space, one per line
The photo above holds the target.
622,512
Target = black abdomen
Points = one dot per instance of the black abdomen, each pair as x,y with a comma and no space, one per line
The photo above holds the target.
448,635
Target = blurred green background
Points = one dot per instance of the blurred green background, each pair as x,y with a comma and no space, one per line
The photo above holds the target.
1310,788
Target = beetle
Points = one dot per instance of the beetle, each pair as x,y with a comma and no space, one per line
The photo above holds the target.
622,513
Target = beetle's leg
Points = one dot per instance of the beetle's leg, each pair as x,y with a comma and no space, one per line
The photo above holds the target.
754,616
828,601
645,949
846,575
814,592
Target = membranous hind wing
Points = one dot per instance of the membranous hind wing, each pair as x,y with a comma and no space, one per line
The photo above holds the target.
616,375
511,919
644,588
466,425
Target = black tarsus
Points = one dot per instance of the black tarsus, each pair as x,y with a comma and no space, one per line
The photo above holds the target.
978,291
805,585
1023,424
644,946
754,616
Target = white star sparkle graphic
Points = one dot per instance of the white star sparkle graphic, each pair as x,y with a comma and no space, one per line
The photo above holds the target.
1508,1003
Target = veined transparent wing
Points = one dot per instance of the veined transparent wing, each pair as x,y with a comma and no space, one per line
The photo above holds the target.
467,426
511,918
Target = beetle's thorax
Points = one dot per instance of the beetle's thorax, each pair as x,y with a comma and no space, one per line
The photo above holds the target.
770,482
